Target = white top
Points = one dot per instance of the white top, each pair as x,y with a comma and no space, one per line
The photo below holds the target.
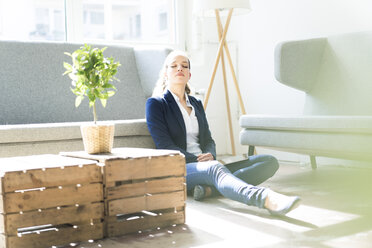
192,126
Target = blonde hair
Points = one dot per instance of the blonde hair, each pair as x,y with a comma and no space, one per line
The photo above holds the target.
161,84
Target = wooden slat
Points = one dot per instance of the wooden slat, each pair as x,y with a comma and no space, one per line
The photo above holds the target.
123,153
52,197
124,169
49,177
148,202
1,204
141,152
54,216
2,223
151,187
39,161
3,241
109,184
117,228
161,201
123,217
1,185
126,205
64,236
166,166
130,169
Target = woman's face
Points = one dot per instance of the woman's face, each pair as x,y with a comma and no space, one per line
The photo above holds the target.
178,71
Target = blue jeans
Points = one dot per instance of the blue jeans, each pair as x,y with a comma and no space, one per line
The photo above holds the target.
236,181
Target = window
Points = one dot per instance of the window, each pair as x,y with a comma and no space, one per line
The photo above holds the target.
93,21
32,20
1,19
149,21
129,20
163,21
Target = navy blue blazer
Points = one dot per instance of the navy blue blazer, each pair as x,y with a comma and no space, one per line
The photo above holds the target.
167,127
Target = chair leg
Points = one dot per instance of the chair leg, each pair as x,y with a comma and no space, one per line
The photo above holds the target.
313,162
250,150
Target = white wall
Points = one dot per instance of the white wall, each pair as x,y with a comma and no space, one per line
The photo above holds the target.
252,38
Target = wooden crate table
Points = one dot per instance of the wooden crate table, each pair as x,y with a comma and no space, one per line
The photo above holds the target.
50,200
143,188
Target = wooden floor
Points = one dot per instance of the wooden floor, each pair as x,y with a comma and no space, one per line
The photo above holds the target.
336,211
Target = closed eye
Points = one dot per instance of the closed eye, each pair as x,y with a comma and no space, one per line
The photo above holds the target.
183,66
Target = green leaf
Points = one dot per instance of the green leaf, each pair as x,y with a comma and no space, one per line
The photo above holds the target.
72,76
96,93
103,102
106,86
67,66
110,93
91,96
78,100
116,79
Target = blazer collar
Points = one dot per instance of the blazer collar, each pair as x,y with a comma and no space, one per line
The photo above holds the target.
176,110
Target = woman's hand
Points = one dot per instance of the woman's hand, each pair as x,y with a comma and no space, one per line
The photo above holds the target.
205,157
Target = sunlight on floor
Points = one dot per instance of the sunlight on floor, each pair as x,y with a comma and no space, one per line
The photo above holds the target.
300,219
229,232
264,230
363,239
320,217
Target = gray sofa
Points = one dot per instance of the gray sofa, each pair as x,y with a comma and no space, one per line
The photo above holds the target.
336,74
38,114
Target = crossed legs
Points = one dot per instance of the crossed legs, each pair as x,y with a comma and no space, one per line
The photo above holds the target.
231,185
213,173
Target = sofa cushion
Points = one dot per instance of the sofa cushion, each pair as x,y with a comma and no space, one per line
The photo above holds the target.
327,124
336,144
24,133
30,139
149,62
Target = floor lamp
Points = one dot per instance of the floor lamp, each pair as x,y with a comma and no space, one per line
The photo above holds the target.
214,8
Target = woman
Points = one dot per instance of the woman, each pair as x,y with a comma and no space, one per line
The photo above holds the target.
177,121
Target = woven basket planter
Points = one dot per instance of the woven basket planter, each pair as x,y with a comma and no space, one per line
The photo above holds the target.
98,138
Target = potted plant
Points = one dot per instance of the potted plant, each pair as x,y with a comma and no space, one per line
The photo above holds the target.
91,74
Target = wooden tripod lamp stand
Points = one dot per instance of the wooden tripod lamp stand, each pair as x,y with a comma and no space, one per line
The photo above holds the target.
214,8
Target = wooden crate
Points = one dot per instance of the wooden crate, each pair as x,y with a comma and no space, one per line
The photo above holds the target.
50,200
143,189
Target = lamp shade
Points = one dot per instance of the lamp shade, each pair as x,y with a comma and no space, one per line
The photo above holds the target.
207,7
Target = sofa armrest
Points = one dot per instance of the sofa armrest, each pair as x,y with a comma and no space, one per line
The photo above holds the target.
297,63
